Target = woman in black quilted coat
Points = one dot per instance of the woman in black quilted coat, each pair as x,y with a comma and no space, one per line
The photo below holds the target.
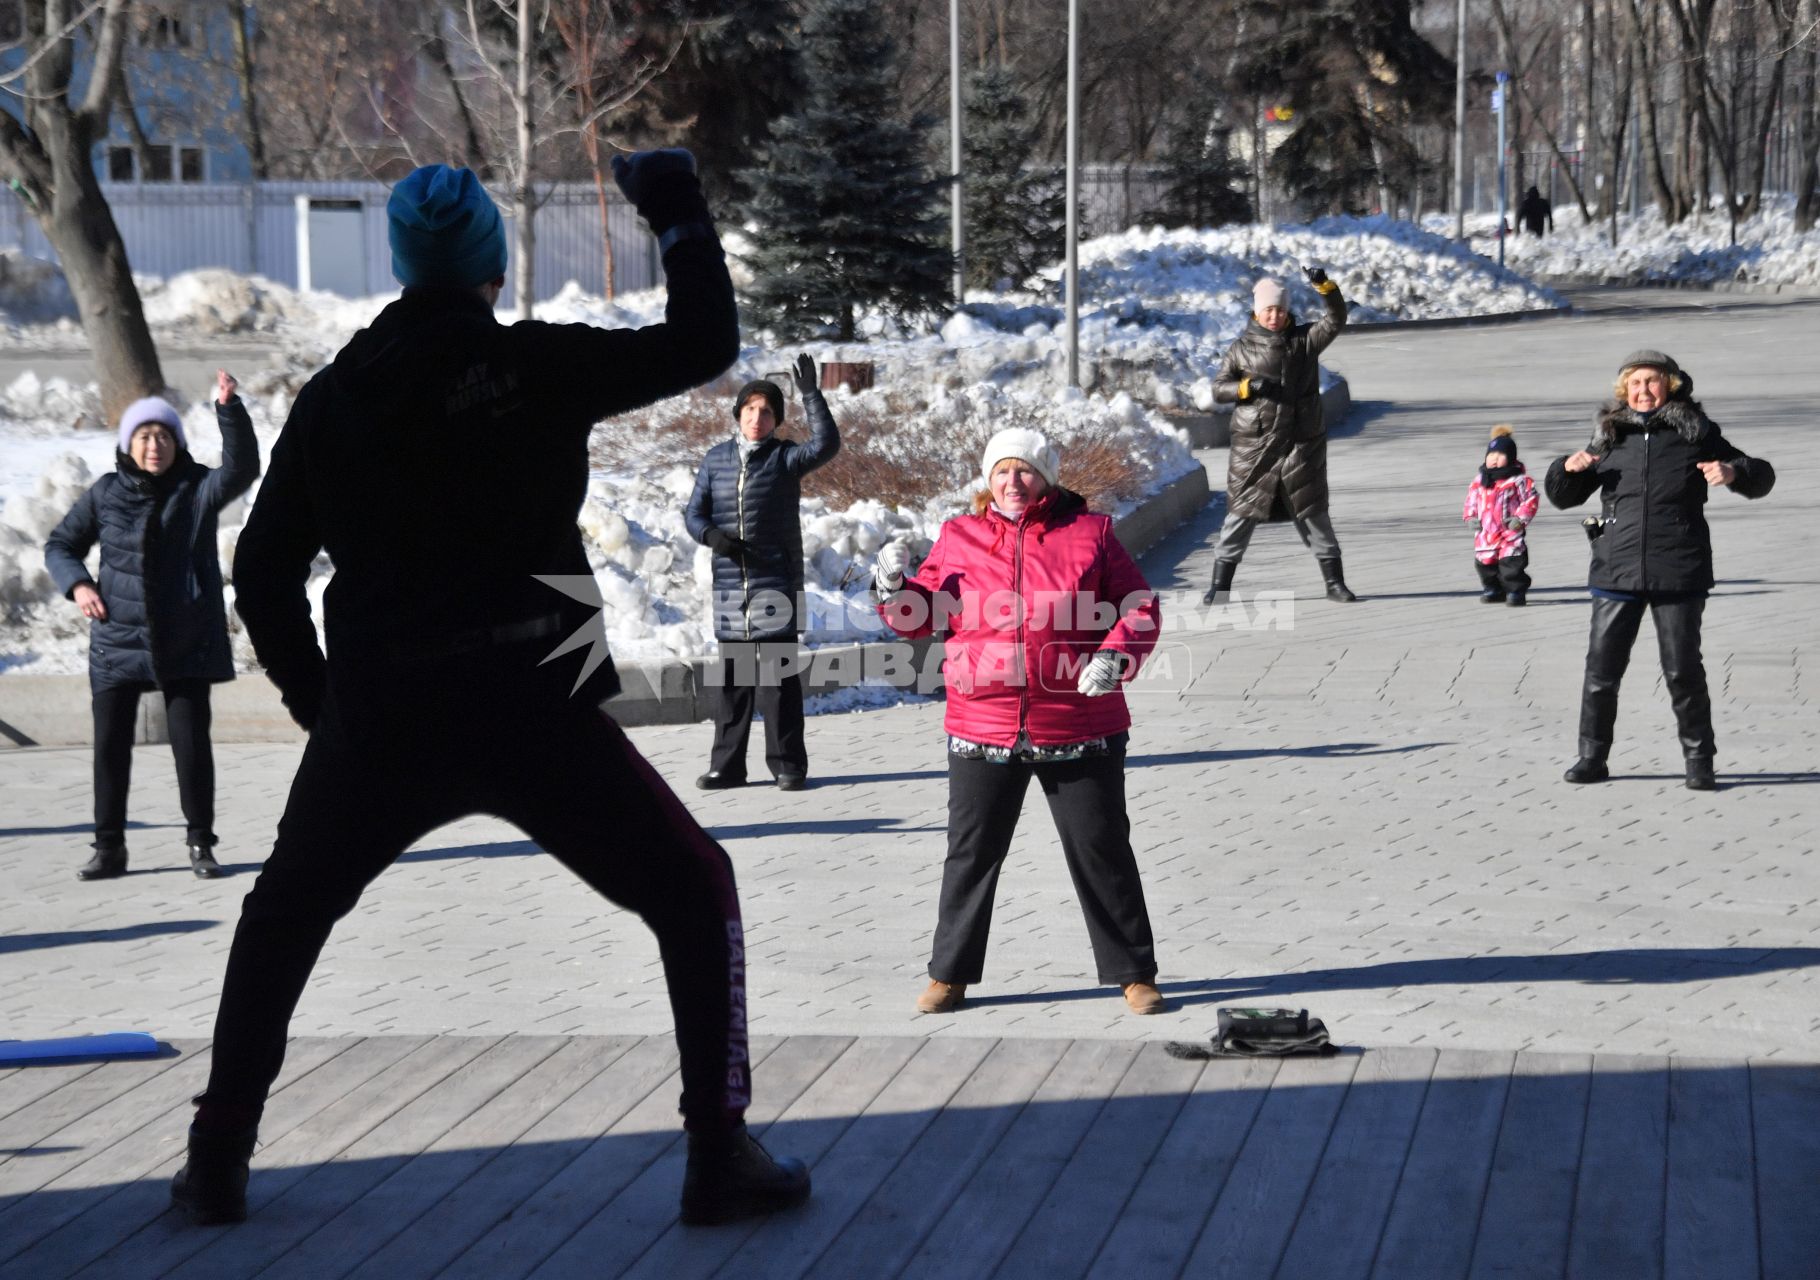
1277,468
157,620
1653,457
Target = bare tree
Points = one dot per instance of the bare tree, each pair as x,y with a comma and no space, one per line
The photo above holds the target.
49,126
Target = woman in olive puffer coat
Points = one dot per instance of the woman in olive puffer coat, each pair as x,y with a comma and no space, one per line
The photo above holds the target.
1277,468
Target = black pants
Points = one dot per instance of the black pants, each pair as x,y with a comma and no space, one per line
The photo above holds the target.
1509,575
378,776
1614,631
186,709
1087,800
750,682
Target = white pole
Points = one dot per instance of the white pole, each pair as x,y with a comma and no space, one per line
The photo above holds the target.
1071,271
954,148
1459,125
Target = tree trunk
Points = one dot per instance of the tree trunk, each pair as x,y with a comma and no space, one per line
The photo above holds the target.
1649,139
249,101
606,224
80,227
524,278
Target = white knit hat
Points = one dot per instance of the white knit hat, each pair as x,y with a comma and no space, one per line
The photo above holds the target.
1267,293
1021,442
150,409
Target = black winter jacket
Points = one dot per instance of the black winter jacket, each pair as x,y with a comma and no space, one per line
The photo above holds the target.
1654,535
441,461
160,574
1279,442
758,499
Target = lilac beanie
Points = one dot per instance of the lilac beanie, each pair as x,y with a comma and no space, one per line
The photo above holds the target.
150,409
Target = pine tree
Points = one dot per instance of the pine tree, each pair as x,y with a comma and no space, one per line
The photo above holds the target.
1203,185
846,213
1015,216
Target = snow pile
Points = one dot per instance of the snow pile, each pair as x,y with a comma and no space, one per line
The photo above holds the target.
1157,310
1697,250
1159,307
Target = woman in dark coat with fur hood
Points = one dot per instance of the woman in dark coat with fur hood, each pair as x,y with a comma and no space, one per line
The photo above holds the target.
157,619
1653,456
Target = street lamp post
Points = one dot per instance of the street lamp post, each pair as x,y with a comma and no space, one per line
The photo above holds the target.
1503,191
1459,124
954,149
1071,266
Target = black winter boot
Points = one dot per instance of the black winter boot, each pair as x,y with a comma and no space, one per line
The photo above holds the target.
210,1189
1223,570
1587,769
202,862
109,861
730,1176
1335,578
1700,774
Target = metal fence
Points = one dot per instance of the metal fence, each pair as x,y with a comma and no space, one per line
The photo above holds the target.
253,228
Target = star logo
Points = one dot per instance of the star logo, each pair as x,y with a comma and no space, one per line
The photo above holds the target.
593,632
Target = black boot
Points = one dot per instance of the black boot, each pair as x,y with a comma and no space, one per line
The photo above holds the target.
1587,769
108,862
730,1176
1335,578
1700,774
1223,571
202,862
210,1189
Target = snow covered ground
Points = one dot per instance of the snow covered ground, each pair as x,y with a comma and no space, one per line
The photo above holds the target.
1698,250
1157,310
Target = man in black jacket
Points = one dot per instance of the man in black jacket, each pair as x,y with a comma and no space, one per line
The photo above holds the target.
441,461
747,509
1653,456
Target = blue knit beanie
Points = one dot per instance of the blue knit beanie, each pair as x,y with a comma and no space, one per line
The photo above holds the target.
444,229
150,409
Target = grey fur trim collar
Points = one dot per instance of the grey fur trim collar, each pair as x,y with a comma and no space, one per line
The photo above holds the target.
1615,417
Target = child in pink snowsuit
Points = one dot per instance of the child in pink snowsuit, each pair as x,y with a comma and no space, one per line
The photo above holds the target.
1501,501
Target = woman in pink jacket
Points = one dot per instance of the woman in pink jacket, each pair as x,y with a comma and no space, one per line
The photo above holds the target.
1046,617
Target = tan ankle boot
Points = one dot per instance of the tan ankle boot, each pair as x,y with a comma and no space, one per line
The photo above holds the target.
1143,997
941,997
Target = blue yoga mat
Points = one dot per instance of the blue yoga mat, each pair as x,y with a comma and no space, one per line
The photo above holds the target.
113,1044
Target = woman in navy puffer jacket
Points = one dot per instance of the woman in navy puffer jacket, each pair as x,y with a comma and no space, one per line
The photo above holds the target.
157,620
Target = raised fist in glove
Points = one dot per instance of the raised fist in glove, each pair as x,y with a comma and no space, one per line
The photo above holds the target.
637,172
1316,276
893,560
1258,387
805,375
722,543
1101,674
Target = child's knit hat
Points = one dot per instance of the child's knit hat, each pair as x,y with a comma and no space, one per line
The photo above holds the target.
1502,441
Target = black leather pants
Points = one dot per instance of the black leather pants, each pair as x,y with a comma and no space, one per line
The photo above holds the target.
1614,630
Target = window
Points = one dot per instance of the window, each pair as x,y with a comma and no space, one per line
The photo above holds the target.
158,165
189,164
119,164
174,162
166,31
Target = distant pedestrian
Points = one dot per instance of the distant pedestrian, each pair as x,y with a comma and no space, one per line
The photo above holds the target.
1534,212
441,460
1500,503
747,509
1047,619
1653,457
1277,467
157,619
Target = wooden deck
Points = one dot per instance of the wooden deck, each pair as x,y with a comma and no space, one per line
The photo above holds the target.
402,1157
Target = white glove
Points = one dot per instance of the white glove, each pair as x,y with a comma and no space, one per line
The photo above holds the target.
888,573
1101,675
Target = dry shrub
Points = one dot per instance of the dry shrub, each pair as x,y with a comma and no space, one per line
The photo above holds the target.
1102,472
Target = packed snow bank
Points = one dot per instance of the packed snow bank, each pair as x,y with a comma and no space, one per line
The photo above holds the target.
1157,310
1695,251
33,292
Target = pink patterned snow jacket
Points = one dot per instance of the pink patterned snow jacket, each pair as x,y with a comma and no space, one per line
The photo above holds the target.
1513,498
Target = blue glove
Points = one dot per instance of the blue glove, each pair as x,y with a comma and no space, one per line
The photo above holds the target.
638,172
